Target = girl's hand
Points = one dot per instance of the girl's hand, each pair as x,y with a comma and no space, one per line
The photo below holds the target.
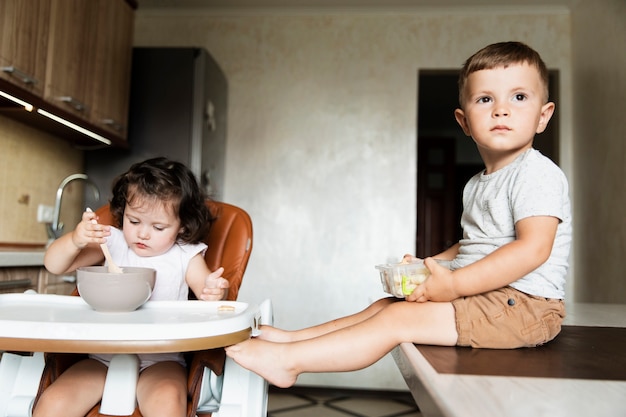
439,286
215,286
89,231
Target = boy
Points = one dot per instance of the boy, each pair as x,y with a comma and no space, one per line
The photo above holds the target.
505,288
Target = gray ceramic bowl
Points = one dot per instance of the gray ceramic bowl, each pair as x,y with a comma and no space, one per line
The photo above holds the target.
110,292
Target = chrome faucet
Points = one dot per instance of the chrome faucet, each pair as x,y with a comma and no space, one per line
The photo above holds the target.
55,229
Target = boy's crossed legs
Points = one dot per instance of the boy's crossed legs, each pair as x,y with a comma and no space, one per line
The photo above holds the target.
346,344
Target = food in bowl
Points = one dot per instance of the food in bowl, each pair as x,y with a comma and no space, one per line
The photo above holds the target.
115,292
401,279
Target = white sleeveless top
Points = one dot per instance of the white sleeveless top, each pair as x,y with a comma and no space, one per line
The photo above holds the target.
170,284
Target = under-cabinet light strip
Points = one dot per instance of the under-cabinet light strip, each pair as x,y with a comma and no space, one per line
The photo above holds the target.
27,106
74,126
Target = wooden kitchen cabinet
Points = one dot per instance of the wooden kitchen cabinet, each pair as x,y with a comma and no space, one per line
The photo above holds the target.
24,43
19,279
56,284
70,48
89,59
22,278
80,51
111,65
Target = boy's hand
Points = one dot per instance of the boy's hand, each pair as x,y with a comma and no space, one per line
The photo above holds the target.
89,231
215,286
439,286
408,258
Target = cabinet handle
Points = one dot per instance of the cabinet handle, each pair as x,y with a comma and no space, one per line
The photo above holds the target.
71,101
18,283
112,124
21,75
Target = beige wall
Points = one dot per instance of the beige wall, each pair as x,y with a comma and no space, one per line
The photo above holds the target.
321,146
599,91
32,165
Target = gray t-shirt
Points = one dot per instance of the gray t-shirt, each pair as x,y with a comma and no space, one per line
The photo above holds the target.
532,185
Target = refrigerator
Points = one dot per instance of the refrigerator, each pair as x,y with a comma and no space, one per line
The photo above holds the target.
178,102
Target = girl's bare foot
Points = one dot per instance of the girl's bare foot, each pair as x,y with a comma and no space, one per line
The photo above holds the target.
266,359
274,334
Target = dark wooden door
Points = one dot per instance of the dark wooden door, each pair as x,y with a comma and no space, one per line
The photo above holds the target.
436,217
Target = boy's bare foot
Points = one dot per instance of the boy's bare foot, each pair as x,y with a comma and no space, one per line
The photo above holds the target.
266,359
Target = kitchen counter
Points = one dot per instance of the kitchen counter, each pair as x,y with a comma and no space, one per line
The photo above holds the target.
18,256
491,394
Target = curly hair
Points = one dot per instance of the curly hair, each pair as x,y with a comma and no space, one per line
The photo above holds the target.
170,183
502,54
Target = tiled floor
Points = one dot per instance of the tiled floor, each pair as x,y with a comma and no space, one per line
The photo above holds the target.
328,402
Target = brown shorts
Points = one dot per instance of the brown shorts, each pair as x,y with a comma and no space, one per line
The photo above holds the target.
507,318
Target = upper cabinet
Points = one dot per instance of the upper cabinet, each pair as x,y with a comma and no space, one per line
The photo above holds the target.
78,55
24,43
70,50
110,93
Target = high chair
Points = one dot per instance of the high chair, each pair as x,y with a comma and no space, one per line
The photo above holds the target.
216,385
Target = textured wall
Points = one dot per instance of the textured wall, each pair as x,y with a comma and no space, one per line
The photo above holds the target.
32,165
321,147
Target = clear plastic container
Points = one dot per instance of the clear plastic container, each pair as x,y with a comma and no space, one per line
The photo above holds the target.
401,279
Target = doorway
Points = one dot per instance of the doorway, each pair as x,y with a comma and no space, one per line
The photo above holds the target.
447,159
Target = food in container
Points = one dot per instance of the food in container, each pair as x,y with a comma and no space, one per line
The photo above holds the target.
401,279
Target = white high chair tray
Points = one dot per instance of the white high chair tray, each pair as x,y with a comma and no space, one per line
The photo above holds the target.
58,323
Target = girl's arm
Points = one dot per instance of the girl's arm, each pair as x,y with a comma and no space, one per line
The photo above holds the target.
206,285
531,248
77,248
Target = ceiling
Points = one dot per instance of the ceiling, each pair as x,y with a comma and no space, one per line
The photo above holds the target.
183,4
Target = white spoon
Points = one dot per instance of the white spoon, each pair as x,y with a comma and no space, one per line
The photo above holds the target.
113,268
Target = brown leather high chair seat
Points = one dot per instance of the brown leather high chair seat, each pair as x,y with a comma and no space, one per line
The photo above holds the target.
229,245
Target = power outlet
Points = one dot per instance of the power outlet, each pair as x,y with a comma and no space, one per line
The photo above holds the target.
45,213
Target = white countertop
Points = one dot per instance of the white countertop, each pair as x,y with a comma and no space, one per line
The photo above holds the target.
12,257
